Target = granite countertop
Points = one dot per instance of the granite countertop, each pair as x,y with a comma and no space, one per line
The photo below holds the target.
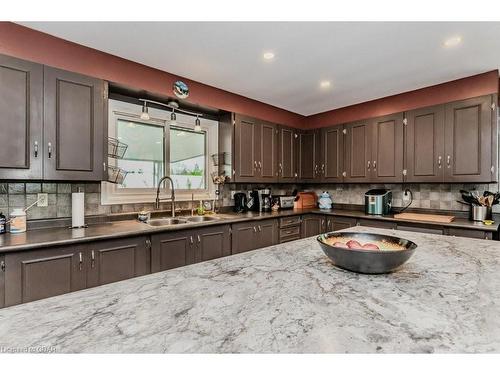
40,238
285,298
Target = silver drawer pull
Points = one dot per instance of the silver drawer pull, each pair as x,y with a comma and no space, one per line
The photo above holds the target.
35,149
49,147
80,261
92,259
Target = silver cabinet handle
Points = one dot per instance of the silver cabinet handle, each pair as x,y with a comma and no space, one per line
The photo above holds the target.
322,168
368,164
49,147
260,165
260,228
255,164
199,238
254,230
316,169
2,265
80,261
92,259
448,160
148,243
439,161
344,174
374,164
191,239
328,222
280,169
35,149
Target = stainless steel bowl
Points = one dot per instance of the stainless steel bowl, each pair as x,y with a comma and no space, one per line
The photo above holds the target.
367,261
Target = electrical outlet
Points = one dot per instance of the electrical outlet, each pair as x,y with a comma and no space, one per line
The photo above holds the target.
43,200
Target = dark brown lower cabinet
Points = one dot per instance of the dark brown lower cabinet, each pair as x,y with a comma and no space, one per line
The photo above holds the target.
213,242
37,274
470,233
254,235
177,249
377,223
117,260
172,250
334,223
312,225
2,281
420,229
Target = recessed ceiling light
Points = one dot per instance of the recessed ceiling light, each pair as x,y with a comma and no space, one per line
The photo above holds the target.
268,56
453,41
325,84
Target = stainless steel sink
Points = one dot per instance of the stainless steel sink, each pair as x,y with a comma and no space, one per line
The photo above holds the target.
166,221
200,219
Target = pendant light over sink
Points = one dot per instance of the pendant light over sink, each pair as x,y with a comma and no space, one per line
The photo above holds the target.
174,106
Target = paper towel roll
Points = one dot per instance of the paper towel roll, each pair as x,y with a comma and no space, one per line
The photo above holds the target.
77,210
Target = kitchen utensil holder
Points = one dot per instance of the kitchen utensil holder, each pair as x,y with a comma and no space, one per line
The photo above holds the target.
480,213
116,149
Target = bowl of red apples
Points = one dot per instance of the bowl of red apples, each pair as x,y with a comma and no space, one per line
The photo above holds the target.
366,252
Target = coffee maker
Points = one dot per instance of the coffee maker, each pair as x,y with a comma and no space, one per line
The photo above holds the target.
240,202
253,200
266,201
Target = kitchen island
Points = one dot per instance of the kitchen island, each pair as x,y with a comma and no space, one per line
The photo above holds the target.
284,298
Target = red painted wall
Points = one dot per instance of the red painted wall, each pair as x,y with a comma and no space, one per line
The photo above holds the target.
481,84
29,44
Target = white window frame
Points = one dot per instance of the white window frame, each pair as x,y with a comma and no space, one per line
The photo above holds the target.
118,110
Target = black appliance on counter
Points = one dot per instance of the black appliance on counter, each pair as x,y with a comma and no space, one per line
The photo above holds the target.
253,203
240,203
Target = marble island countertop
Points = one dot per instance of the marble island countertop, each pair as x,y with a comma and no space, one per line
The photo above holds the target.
285,298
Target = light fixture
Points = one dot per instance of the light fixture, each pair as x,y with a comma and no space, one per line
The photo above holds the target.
173,117
268,55
197,125
453,41
145,113
325,84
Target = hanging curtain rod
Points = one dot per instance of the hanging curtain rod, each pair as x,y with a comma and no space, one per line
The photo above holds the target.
172,107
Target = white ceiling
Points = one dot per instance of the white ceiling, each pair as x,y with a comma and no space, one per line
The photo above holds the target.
363,61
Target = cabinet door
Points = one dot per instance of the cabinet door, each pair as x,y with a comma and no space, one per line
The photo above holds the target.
425,144
21,96
268,160
172,250
2,282
312,225
468,140
308,165
33,275
244,237
212,242
246,150
334,223
387,148
287,167
73,126
332,166
117,260
268,232
358,152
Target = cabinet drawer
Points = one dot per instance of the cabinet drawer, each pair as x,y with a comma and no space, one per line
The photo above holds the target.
414,228
471,233
289,234
377,223
289,221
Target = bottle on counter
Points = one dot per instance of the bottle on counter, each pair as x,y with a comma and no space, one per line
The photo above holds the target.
18,221
3,223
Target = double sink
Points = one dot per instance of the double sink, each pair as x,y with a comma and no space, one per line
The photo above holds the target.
181,220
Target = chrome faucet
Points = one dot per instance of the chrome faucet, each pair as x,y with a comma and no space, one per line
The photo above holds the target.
172,194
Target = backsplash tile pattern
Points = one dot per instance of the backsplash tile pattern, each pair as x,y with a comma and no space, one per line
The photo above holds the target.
425,196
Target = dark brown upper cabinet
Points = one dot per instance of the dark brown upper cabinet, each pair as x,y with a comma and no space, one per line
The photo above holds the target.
470,138
425,144
255,150
21,106
309,156
268,160
387,148
74,128
358,152
332,152
288,152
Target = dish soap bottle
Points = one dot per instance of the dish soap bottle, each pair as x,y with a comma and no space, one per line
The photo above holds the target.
325,201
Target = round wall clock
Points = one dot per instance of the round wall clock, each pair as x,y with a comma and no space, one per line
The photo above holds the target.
181,90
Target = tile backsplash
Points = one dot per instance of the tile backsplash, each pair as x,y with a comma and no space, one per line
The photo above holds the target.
20,194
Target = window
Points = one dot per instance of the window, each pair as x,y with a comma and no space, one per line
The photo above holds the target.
154,147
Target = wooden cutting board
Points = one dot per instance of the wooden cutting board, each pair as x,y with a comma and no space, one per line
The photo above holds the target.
425,217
